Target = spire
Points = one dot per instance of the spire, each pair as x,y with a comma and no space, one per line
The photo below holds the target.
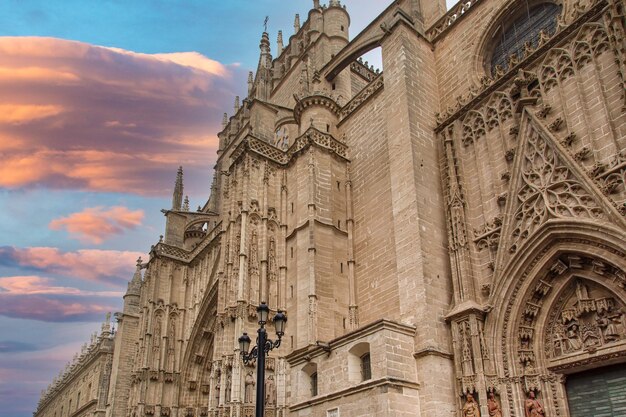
177,198
250,83
186,204
134,286
296,23
316,4
106,326
280,48
236,104
224,121
266,58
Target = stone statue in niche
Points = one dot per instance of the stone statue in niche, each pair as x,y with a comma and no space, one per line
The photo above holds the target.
228,387
270,391
493,406
532,406
249,390
585,319
470,409
466,348
218,386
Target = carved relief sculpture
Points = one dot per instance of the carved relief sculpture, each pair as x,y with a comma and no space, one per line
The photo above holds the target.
587,317
493,406
532,406
470,409
270,390
249,388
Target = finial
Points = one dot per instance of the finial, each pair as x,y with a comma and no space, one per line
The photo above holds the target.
280,42
334,3
186,204
236,104
177,197
250,83
296,23
160,238
224,121
316,4
199,209
106,326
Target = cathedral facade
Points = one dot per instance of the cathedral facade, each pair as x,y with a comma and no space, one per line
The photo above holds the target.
447,236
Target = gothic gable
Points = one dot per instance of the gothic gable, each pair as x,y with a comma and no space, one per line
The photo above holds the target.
547,184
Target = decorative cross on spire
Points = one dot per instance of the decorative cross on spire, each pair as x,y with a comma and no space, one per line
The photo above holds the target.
267,18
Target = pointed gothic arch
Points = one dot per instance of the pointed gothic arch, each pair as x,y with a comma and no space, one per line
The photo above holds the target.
523,305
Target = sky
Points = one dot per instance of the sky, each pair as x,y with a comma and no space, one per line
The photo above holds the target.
100,102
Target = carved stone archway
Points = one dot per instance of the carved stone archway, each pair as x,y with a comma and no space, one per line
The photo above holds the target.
540,283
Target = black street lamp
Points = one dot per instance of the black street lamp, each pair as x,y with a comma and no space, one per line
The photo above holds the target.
266,345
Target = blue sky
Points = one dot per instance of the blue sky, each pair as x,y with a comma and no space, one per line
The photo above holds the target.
101,101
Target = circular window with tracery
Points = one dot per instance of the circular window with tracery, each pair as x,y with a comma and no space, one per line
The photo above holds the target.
519,30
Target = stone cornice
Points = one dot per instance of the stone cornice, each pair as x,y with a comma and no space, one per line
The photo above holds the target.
185,256
316,99
353,390
362,97
432,351
312,137
311,351
451,18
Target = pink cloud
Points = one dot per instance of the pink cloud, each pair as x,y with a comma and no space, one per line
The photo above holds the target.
106,119
108,266
45,308
20,113
35,285
95,224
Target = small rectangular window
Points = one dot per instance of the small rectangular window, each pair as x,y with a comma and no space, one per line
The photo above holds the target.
292,252
333,412
314,384
366,367
341,267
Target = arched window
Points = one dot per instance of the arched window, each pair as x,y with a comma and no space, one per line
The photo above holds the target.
310,380
520,29
359,363
366,367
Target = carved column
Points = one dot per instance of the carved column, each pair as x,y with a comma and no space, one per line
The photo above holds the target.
352,306
311,209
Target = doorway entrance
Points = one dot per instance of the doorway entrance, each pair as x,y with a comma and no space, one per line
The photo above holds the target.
598,393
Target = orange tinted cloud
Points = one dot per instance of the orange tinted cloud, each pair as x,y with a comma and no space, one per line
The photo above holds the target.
18,113
105,119
108,266
35,285
95,224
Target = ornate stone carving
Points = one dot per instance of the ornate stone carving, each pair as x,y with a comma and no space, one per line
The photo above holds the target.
488,236
493,406
470,408
585,318
532,406
548,189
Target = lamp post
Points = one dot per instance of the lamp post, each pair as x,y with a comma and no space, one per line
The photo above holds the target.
262,348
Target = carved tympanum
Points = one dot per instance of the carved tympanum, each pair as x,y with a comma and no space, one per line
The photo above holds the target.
587,317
